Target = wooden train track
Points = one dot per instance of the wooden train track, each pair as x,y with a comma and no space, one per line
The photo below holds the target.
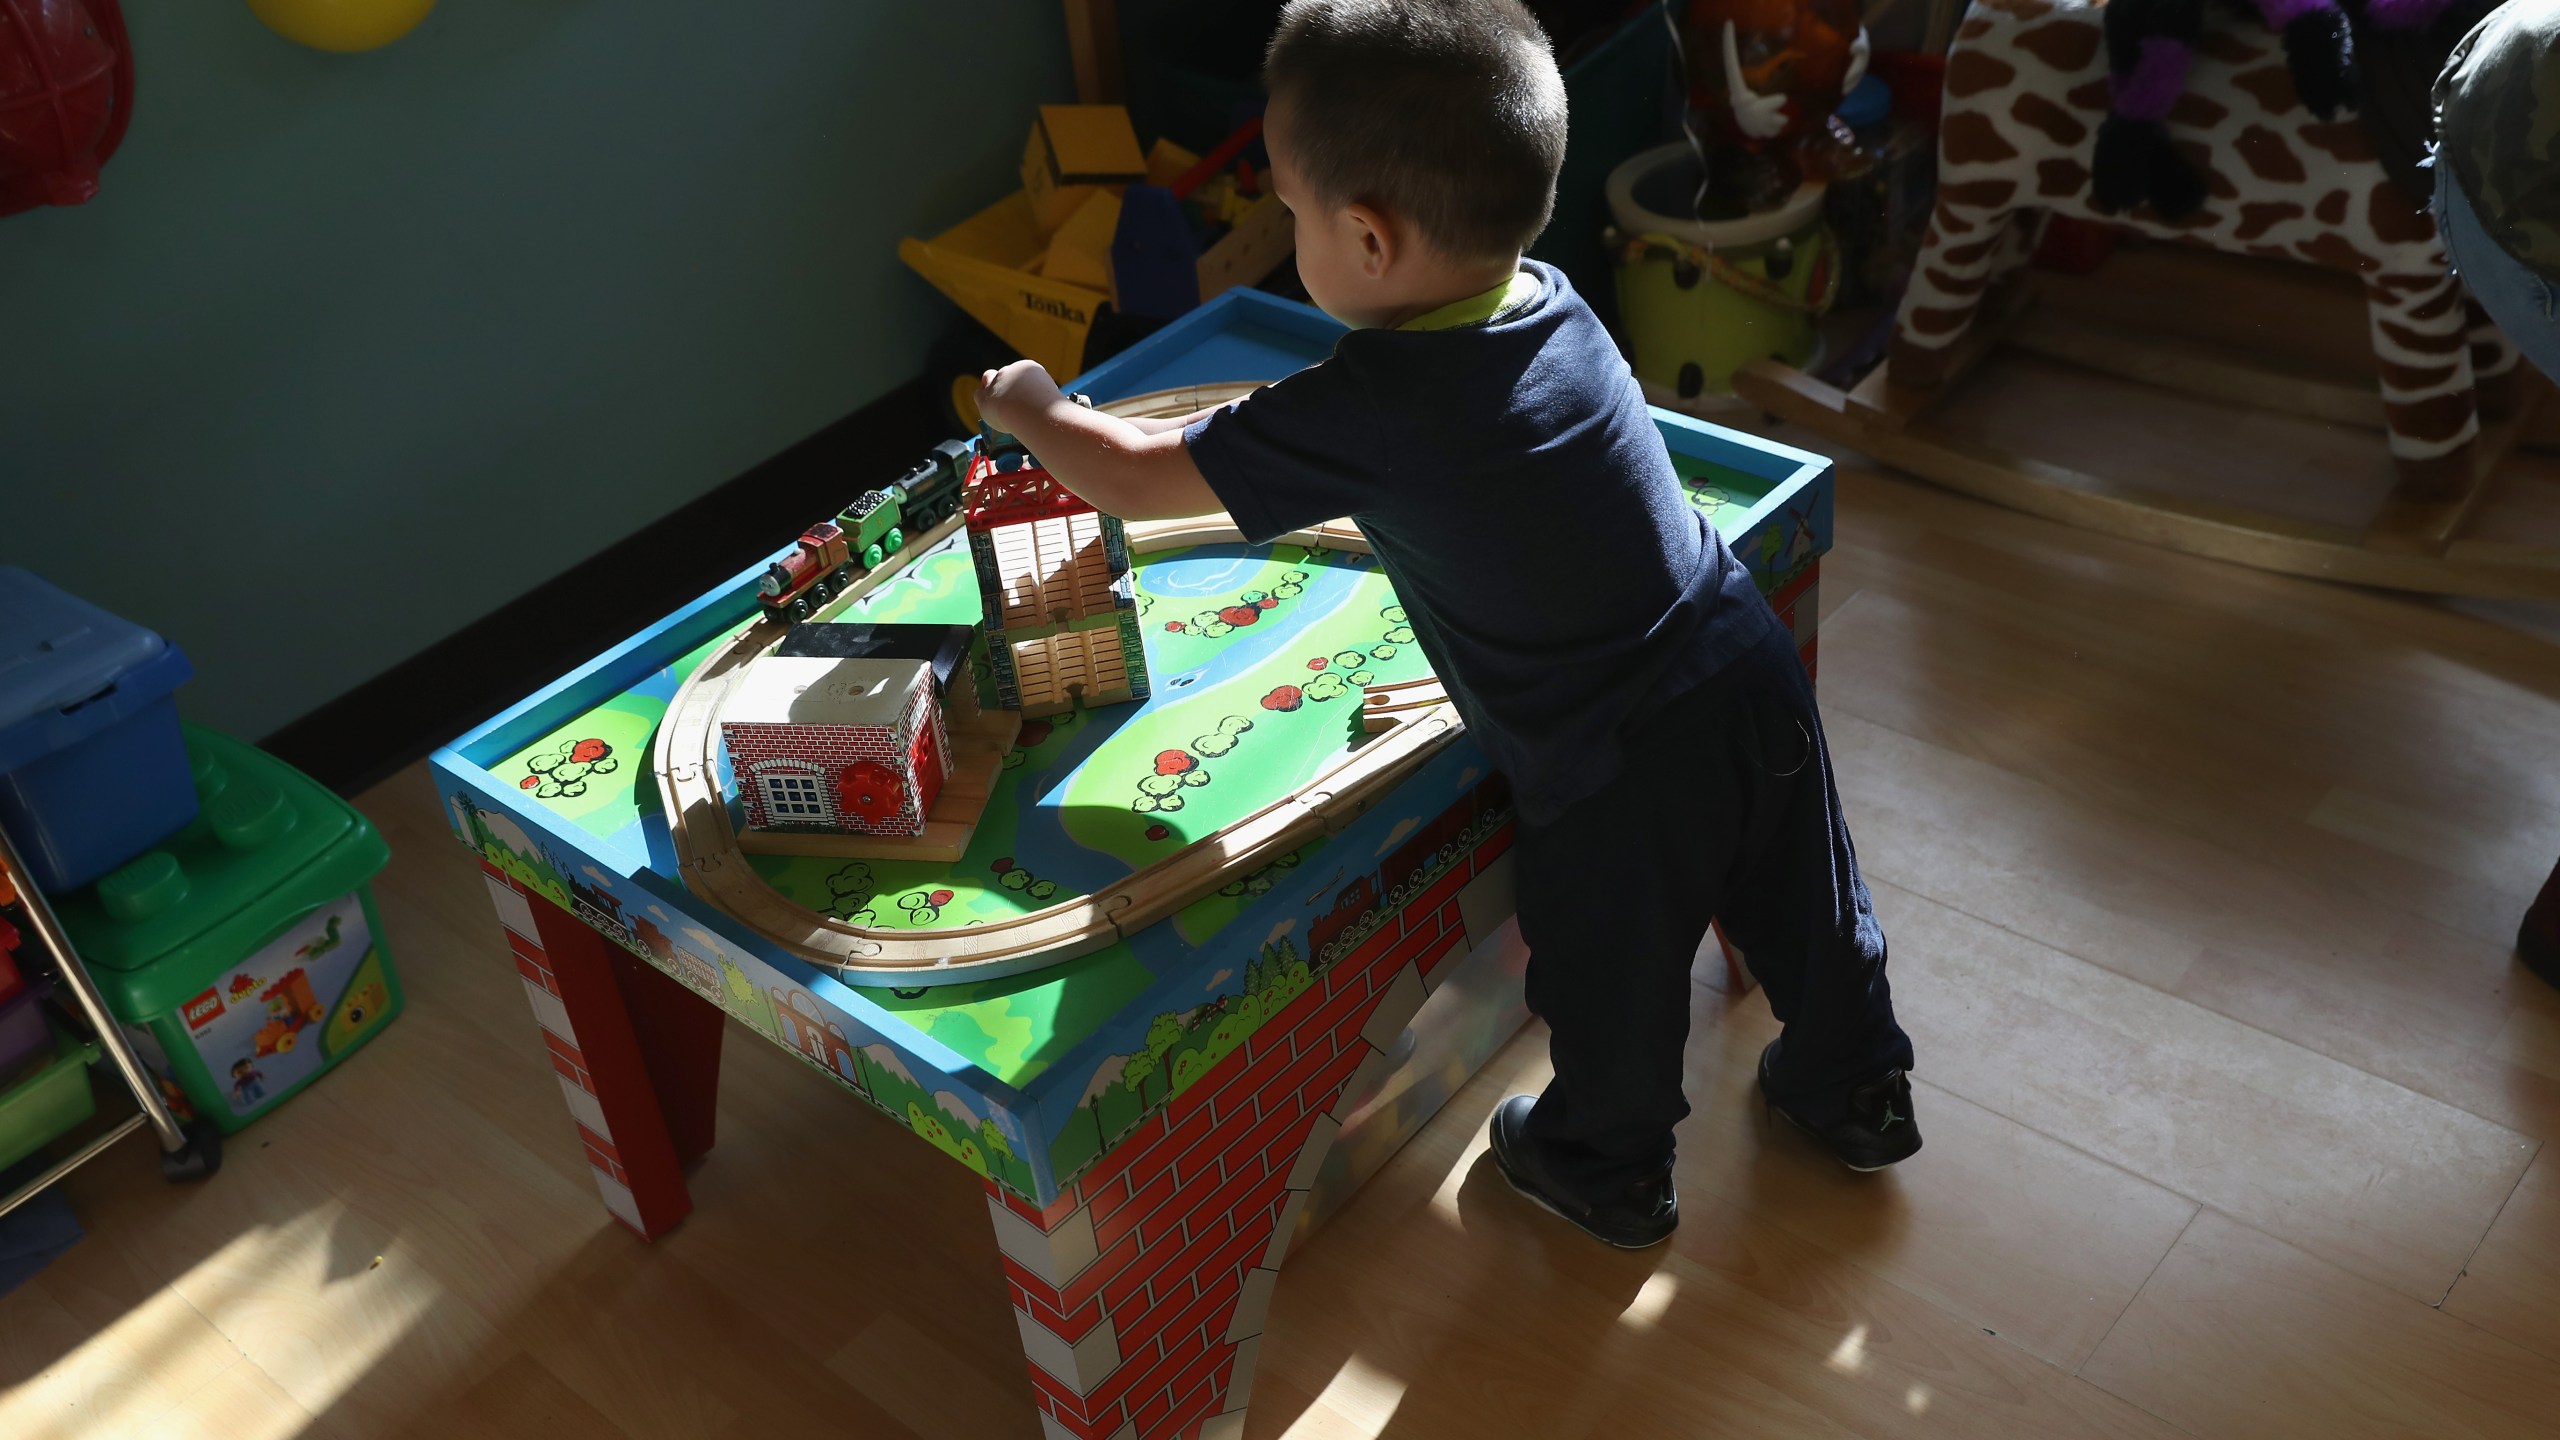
712,865
1384,707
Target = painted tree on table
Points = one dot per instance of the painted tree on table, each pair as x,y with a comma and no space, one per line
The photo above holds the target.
1163,1033
746,1001
562,770
1221,621
1134,1077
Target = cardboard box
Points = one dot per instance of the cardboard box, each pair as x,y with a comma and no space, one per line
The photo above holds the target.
1075,151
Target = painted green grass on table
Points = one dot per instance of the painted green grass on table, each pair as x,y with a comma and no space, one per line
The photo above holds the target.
1203,918
1724,493
1015,1029
594,771
987,883
1189,767
938,587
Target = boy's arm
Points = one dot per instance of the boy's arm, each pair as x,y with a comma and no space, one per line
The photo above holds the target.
1150,426
1114,465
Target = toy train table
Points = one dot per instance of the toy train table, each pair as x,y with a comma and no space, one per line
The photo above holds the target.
1201,964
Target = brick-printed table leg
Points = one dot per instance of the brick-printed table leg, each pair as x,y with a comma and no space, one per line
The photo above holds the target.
679,1034
1141,1293
570,977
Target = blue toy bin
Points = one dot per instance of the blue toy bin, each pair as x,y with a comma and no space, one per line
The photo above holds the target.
92,769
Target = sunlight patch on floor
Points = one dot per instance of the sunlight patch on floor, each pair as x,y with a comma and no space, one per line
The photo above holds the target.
322,1314
1850,1356
1360,1399
118,1378
1651,1300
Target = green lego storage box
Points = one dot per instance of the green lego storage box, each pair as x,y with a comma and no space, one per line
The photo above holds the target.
244,955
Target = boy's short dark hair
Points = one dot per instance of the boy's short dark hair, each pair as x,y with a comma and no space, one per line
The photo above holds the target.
1450,112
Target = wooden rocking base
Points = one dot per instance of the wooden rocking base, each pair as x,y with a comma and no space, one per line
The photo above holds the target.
2129,415
978,745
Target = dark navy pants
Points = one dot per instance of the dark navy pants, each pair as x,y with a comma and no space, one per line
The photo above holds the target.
1725,810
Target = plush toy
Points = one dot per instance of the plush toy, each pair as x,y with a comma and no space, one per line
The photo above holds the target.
2149,45
1763,79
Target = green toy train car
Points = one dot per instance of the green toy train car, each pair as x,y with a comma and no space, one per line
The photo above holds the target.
871,528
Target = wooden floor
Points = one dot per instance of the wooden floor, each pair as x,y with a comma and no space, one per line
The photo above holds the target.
2200,886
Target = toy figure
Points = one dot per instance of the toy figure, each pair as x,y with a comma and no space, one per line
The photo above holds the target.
2149,43
324,944
248,1083
1764,77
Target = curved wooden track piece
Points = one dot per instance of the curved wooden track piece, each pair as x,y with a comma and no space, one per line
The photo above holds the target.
2407,547
685,758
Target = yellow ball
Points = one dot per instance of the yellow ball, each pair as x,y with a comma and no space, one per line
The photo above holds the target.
342,24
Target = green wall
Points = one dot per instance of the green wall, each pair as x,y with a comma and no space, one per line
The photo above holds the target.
350,350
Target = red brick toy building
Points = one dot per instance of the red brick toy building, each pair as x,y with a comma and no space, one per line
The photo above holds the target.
845,745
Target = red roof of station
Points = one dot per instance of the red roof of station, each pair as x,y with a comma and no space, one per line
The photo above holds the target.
997,498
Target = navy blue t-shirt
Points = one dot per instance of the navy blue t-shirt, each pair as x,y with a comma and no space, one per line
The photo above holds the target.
1522,503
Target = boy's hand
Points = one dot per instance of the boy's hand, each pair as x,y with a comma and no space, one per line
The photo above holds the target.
1116,466
1017,393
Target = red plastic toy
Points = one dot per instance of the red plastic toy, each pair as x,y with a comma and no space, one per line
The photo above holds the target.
66,94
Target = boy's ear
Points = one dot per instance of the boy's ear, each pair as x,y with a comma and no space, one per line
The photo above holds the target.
1381,240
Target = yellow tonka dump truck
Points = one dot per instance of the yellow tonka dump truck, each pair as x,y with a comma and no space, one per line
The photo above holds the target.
1039,266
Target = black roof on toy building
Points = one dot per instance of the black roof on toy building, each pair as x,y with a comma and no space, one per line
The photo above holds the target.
944,647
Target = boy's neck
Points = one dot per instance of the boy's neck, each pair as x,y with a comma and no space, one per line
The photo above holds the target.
1447,285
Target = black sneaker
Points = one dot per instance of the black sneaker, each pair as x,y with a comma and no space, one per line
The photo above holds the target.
1876,1131
1645,1214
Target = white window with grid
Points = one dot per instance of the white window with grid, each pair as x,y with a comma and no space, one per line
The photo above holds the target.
793,797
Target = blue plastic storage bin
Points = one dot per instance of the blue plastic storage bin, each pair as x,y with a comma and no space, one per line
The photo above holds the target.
92,769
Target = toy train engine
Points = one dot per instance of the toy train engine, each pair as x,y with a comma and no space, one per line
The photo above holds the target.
817,568
832,554
931,490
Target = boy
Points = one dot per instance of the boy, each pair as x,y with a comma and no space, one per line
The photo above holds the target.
2497,162
1603,645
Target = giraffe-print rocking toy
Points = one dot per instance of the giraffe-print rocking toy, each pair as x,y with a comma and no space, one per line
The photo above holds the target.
2026,91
